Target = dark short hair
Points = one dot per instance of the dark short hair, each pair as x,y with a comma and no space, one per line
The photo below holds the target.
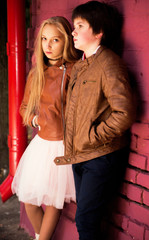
102,17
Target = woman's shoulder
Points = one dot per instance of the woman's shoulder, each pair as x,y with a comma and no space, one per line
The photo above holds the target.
69,64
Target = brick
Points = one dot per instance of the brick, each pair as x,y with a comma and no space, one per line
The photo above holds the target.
65,230
146,235
144,117
143,145
123,206
137,160
132,192
134,211
115,234
145,197
147,165
120,221
69,211
140,129
144,114
134,9
136,231
133,143
131,175
123,236
124,224
143,179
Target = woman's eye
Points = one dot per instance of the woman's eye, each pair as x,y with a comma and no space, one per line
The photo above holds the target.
55,40
43,38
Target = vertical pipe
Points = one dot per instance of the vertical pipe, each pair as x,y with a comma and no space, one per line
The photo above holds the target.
16,51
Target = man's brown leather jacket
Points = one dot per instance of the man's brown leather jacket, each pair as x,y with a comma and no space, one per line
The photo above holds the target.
99,109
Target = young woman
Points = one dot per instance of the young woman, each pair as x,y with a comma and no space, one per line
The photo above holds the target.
99,111
38,180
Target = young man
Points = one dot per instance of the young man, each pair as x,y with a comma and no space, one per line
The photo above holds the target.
99,113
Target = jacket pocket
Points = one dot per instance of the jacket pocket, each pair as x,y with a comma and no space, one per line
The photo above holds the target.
94,139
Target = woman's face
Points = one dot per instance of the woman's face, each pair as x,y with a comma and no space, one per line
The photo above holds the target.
52,42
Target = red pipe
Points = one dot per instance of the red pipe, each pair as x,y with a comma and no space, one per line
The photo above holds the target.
16,51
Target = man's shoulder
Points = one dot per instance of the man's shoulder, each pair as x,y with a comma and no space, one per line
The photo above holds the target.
108,57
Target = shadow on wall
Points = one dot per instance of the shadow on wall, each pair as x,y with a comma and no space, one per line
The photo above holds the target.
126,51
121,47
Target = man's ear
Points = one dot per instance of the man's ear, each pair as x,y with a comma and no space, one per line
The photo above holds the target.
99,35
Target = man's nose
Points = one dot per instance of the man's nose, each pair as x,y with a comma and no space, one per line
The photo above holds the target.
74,33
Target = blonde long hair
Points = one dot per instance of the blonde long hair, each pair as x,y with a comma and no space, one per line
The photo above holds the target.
37,72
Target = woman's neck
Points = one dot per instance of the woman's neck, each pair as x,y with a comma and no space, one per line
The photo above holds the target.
53,61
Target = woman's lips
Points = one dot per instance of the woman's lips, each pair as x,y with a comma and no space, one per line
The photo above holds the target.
48,52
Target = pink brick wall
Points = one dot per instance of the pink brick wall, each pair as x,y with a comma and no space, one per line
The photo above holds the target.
130,218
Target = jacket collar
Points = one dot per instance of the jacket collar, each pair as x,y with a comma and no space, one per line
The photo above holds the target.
82,64
87,61
60,63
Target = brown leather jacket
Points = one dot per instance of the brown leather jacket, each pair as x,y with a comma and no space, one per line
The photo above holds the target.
99,108
52,102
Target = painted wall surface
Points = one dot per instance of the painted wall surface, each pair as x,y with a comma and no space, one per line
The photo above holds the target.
130,218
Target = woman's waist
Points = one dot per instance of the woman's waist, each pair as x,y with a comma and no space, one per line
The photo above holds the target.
52,134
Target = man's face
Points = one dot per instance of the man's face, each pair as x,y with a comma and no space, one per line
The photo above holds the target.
83,37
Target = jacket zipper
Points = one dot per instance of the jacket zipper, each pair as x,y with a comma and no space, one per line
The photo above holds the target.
76,105
62,104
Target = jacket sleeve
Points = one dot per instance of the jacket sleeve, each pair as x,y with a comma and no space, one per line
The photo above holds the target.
24,103
120,101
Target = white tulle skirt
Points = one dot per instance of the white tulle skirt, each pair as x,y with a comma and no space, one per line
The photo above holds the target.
38,180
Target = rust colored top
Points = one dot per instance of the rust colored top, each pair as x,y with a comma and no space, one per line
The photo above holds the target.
52,102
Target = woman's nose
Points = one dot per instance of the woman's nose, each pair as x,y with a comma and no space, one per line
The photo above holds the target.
49,45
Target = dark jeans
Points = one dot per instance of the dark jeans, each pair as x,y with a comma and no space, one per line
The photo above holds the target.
94,181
